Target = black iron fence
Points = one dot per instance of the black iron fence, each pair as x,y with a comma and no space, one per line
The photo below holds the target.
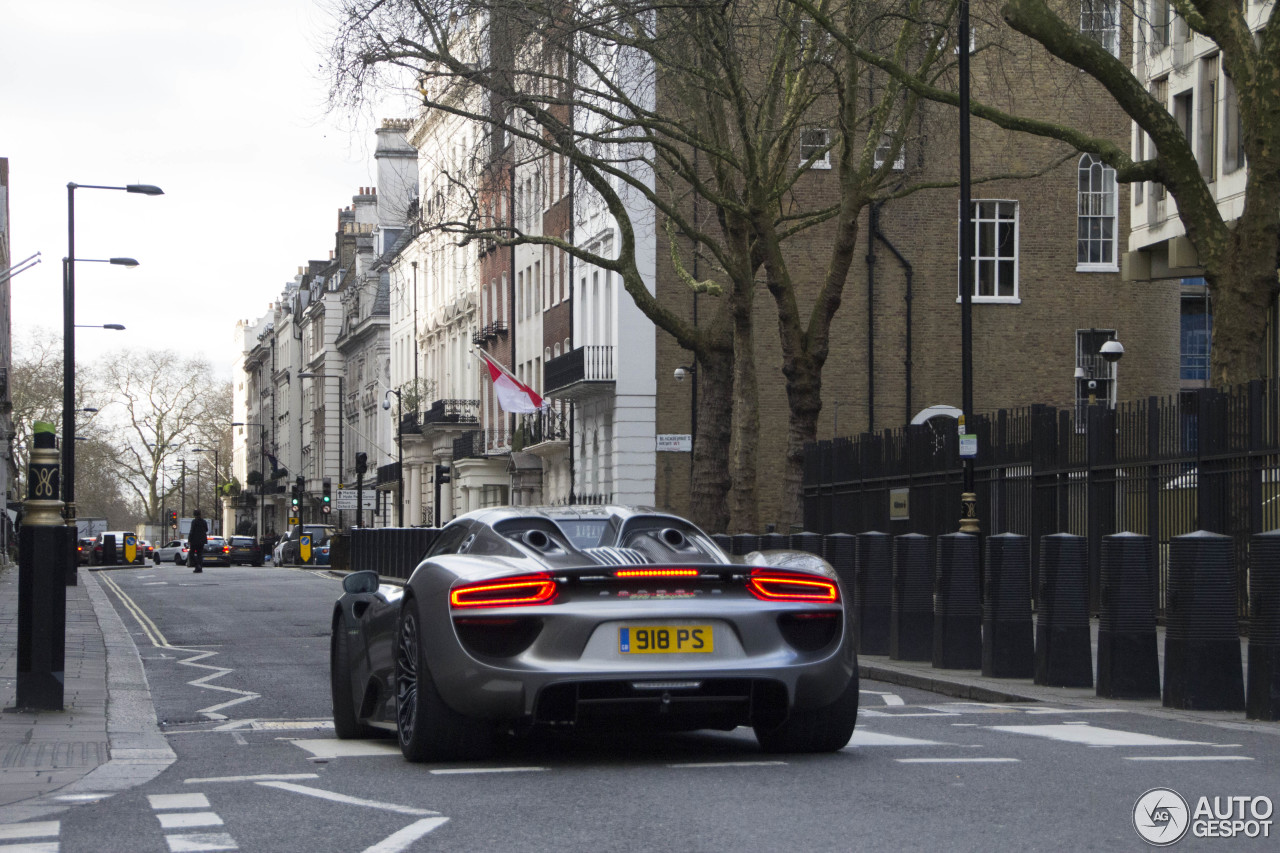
1203,460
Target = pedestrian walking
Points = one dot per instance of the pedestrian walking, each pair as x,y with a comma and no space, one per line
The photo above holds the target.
197,536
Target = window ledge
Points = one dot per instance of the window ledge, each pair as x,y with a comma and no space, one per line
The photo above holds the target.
993,300
1097,268
820,165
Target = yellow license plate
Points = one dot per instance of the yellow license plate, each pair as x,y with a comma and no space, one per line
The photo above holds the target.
665,639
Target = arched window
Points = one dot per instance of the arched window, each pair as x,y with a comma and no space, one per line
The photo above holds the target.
1096,216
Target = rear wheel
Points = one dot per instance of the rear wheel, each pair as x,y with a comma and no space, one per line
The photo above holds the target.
346,722
428,729
177,559
823,729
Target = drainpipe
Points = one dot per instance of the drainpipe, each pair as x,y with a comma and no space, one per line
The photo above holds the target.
907,297
874,218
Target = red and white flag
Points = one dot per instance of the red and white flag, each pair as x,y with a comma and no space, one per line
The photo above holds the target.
513,395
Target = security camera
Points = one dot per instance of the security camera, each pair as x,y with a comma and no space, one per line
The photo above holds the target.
386,404
680,374
1093,385
1112,351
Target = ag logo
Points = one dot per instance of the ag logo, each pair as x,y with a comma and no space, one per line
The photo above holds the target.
1161,817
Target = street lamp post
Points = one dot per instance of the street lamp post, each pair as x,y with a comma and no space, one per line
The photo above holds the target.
69,340
386,405
341,418
968,497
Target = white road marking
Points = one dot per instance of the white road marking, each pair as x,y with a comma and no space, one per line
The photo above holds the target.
157,583
273,725
30,830
264,777
1187,758
862,737
730,764
198,842
331,748
178,801
957,760
411,833
1093,736
30,847
343,798
188,820
458,771
889,698
1075,710
869,712
81,798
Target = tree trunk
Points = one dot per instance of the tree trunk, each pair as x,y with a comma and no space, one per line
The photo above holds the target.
745,439
709,491
1242,285
804,397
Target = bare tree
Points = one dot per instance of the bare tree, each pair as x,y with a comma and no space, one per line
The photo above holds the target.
171,405
705,123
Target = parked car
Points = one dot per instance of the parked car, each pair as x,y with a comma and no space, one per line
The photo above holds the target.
84,550
593,617
244,551
99,541
288,547
175,551
148,551
321,555
217,552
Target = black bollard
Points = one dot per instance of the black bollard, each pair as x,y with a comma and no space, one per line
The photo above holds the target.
837,550
1008,637
1264,628
1128,663
911,607
957,604
43,544
745,543
810,543
774,542
1064,651
873,568
1202,669
723,541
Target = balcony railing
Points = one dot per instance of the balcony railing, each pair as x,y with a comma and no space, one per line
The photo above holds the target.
480,443
547,425
452,412
582,372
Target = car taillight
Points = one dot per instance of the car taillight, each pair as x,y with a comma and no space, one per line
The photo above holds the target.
520,591
656,573
226,549
773,585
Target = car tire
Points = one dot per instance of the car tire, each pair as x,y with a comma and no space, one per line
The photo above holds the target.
177,559
427,728
824,729
346,723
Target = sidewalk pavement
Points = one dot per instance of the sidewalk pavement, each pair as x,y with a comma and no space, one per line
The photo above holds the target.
106,738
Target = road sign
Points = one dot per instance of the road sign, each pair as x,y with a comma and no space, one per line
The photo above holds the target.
346,499
675,443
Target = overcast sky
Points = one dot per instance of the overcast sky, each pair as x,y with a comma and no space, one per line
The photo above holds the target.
222,105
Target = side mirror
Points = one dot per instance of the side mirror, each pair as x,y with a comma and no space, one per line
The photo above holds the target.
358,583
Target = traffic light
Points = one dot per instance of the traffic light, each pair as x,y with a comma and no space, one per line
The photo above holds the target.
173,519
326,501
362,463
442,474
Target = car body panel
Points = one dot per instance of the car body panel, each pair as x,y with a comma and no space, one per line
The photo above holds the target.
576,642
173,551
244,550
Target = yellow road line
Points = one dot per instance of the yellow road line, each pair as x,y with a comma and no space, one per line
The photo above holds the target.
148,627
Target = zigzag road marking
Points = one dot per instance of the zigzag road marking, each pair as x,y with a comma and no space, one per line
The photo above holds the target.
158,640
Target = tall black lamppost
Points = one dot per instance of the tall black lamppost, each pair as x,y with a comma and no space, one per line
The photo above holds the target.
262,471
968,497
386,405
69,340
341,418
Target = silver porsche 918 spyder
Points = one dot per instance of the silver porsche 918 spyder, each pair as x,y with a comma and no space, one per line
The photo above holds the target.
585,617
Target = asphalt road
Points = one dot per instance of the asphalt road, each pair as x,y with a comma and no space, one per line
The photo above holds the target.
237,659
